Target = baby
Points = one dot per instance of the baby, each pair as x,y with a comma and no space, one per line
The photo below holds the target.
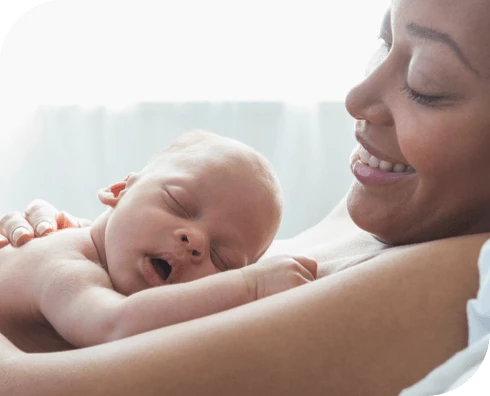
206,205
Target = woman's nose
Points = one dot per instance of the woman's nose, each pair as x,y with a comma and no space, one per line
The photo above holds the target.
369,100
194,242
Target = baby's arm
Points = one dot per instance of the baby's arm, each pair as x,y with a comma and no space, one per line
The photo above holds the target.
81,305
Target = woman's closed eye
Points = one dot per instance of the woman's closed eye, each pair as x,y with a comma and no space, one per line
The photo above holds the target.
425,100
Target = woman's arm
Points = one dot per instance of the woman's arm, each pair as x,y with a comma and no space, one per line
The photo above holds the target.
369,330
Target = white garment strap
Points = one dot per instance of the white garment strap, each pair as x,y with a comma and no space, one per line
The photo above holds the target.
479,308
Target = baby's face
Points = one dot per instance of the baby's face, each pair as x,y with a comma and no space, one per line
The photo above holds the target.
187,216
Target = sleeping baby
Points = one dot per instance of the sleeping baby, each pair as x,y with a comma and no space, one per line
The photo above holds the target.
207,205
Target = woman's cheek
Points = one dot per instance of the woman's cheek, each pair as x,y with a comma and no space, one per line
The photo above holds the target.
418,132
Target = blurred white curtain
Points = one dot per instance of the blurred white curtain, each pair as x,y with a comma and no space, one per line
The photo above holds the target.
65,154
231,67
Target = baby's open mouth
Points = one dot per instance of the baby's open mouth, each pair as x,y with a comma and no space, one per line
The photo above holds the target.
162,267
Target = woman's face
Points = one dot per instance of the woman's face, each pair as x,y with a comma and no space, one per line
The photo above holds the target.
425,105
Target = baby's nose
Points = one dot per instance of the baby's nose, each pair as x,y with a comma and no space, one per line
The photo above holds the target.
194,243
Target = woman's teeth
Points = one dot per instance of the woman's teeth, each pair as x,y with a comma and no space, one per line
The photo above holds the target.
367,158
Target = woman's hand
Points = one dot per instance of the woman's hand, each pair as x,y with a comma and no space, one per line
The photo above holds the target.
39,219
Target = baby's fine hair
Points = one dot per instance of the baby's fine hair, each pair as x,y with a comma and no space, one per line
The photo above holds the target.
191,141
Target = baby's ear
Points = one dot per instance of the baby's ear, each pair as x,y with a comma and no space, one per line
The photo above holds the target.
111,195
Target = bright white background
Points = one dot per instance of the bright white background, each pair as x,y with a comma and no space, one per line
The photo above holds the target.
84,86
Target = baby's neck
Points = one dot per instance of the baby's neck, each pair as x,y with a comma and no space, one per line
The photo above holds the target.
97,233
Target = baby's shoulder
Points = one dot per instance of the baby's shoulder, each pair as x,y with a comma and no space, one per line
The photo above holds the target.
64,260
75,259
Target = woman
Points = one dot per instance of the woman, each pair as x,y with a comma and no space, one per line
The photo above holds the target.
407,244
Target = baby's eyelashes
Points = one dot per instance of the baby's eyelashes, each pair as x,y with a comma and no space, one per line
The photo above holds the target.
217,261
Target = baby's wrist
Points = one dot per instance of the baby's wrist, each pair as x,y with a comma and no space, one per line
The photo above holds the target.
249,283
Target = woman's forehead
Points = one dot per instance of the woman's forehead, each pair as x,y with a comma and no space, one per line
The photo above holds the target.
465,24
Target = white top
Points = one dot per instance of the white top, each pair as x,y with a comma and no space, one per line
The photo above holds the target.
479,308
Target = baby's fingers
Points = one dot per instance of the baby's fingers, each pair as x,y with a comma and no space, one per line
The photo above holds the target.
309,264
42,217
16,228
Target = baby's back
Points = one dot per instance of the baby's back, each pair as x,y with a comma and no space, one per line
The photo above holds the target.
24,272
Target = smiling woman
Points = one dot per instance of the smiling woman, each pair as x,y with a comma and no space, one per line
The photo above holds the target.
430,119
397,258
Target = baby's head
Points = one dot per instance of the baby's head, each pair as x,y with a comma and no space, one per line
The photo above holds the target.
206,204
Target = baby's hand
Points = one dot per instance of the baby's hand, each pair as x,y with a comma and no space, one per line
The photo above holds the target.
278,273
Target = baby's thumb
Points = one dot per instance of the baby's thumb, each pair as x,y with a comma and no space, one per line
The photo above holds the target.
309,263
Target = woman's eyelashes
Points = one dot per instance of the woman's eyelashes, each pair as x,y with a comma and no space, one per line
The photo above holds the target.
425,100
432,101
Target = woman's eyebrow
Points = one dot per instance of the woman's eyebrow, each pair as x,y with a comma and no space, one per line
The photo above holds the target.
430,34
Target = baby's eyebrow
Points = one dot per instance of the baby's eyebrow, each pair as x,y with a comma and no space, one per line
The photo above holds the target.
415,30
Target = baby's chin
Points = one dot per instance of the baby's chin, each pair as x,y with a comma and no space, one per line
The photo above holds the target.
122,280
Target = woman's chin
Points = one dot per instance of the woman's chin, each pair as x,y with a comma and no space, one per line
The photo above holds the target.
378,219
393,230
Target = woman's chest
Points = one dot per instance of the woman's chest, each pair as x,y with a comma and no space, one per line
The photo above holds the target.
336,255
334,245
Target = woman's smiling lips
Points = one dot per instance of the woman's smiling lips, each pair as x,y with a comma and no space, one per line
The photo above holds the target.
368,169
